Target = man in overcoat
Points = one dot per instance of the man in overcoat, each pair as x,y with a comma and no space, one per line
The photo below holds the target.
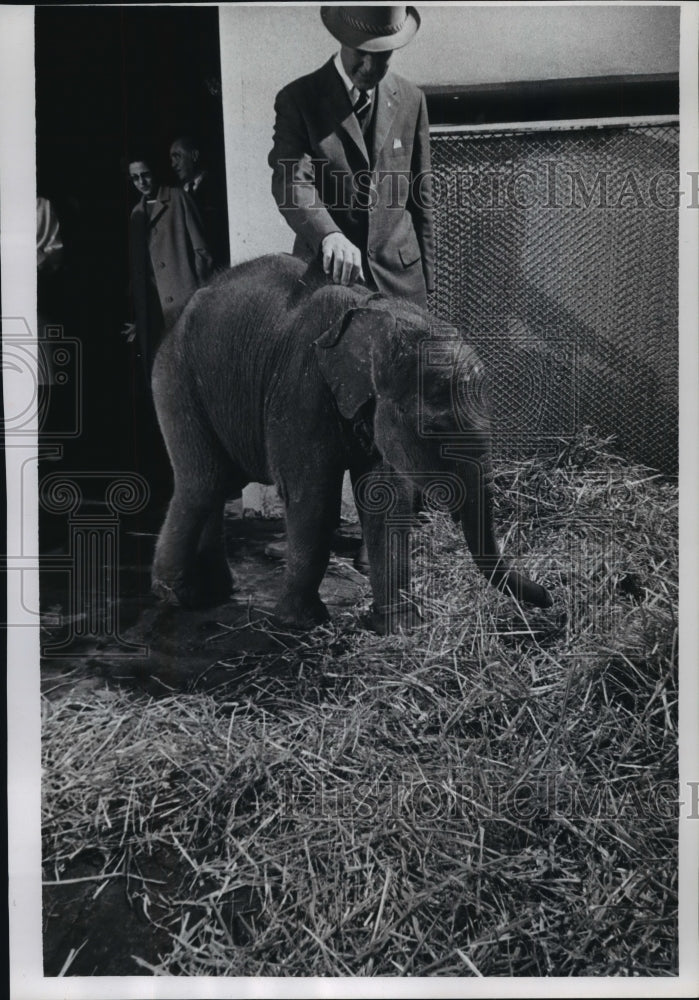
170,257
351,158
169,261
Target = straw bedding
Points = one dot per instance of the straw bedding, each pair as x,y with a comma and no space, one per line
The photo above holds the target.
491,794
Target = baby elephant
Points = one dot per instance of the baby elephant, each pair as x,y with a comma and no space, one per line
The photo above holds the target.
272,375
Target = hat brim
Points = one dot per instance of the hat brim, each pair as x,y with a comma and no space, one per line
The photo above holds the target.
356,39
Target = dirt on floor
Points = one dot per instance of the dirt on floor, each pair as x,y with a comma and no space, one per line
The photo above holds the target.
132,642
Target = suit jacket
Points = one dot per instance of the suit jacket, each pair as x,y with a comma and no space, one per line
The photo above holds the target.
323,175
210,198
170,257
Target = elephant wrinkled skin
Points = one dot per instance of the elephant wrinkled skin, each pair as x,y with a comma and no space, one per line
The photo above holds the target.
273,375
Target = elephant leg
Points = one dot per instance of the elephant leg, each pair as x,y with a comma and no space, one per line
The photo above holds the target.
174,574
477,523
386,527
189,566
212,569
310,521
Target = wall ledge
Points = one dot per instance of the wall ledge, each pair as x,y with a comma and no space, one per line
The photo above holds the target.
554,100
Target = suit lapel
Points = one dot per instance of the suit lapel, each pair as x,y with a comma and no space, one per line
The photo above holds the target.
387,104
351,127
338,107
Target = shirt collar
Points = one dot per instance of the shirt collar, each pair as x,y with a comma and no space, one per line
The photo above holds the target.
194,183
349,86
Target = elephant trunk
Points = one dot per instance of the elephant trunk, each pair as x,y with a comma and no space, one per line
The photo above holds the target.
477,523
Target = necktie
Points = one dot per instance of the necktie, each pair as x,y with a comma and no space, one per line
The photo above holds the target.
361,108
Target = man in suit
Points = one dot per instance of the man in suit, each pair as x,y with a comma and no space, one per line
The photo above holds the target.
351,163
351,159
198,182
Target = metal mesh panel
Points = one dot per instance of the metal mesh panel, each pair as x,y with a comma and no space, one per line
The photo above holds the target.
557,255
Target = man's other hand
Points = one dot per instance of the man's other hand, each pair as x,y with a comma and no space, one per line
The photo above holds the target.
341,259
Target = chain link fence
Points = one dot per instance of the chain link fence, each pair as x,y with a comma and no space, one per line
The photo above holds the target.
557,256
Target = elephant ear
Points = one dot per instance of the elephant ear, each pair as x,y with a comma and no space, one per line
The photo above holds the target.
347,353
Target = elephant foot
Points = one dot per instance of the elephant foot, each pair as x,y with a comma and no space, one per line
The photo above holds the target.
175,594
526,591
180,594
361,560
391,620
215,581
499,575
303,613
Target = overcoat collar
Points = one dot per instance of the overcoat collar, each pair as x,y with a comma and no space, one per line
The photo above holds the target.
338,106
160,204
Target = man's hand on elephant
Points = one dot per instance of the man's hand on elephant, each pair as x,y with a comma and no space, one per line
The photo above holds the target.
341,259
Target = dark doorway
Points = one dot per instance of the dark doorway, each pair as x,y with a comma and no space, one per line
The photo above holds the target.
109,80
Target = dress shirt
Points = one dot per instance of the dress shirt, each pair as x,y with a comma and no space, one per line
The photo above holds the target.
352,91
191,186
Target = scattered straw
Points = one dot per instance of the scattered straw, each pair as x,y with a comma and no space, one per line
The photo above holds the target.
492,794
